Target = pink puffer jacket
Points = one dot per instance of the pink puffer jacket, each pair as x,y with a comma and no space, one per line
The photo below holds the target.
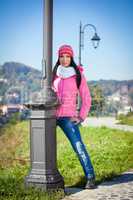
66,91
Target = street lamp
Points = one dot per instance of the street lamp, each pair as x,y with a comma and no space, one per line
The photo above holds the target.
44,172
95,39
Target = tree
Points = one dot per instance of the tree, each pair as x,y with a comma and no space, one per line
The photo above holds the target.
98,100
130,95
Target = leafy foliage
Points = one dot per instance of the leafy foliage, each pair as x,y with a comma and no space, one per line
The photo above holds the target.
126,119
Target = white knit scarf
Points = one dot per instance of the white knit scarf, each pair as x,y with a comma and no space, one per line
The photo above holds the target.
65,72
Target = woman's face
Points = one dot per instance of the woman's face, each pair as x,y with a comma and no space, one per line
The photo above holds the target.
65,60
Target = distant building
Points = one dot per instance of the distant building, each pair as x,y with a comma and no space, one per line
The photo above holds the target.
125,110
120,101
3,109
3,80
12,108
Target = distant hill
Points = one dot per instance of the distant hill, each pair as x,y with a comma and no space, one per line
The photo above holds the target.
19,75
110,87
19,72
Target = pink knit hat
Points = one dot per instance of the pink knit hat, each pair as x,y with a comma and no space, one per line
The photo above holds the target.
65,49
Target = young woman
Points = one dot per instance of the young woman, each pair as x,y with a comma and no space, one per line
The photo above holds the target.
69,80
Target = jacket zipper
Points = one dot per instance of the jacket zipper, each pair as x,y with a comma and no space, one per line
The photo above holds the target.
62,90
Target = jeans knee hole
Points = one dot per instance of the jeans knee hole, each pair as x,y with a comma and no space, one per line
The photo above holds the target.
73,129
79,147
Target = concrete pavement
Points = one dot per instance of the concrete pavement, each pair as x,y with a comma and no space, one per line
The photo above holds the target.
110,122
119,188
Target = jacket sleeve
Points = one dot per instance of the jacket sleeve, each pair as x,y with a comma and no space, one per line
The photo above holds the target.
84,93
52,85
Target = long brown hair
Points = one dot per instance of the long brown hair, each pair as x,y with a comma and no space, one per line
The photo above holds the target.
72,64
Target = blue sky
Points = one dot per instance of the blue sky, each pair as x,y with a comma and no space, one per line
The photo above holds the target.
21,34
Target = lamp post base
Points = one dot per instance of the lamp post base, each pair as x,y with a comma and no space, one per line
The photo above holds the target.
44,172
45,180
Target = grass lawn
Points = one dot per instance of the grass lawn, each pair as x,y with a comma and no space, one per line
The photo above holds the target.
111,153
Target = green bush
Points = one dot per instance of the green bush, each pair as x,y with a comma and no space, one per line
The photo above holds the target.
130,114
15,117
126,119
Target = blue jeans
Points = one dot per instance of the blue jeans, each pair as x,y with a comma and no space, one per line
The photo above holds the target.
72,132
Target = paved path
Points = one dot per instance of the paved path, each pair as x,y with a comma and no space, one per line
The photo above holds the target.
120,188
110,122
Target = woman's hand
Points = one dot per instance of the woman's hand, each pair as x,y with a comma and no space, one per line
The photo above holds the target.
76,120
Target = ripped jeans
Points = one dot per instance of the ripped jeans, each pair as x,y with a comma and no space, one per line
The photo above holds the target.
72,132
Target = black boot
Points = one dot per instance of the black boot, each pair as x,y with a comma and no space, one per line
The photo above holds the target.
90,184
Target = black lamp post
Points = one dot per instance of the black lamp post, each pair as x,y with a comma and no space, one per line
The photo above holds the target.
95,39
